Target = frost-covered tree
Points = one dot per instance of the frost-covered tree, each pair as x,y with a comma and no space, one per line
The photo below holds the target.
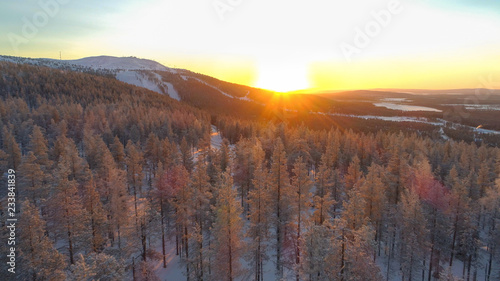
118,152
323,200
354,173
69,219
134,162
280,190
200,190
320,253
11,148
96,267
300,199
97,215
228,233
40,260
33,185
414,235
259,202
491,204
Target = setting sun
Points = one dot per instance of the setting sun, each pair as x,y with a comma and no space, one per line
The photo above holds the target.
283,76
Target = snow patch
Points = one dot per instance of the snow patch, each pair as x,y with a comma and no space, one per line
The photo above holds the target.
124,63
405,107
138,79
157,85
215,138
172,92
477,106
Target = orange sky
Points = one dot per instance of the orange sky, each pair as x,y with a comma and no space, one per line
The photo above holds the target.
279,45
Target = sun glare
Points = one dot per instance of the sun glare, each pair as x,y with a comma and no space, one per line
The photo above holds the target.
283,76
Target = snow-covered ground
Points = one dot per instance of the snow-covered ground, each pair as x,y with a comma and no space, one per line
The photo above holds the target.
395,99
215,138
172,92
124,63
405,107
137,78
477,106
174,270
438,122
388,118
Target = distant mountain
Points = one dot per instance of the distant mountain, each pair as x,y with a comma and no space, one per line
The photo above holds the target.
119,63
96,63
202,91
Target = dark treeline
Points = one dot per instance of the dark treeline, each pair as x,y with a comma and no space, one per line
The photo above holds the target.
112,174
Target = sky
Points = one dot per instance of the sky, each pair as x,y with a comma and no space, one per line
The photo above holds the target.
281,45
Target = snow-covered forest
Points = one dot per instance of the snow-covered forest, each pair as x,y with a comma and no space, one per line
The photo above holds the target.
116,182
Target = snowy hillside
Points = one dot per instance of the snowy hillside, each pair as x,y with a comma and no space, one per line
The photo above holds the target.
95,63
131,70
149,80
123,63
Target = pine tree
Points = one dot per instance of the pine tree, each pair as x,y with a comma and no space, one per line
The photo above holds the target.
374,193
161,194
279,188
169,154
39,146
300,199
354,212
3,160
414,235
70,160
97,215
186,155
201,196
243,169
152,156
323,199
224,152
118,152
353,173
396,173
117,206
460,204
483,178
40,260
435,199
96,267
259,202
181,199
134,172
33,185
228,233
68,217
320,253
491,204
11,148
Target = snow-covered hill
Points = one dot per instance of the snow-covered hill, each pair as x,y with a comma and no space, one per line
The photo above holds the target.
149,80
118,63
139,72
131,70
96,63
